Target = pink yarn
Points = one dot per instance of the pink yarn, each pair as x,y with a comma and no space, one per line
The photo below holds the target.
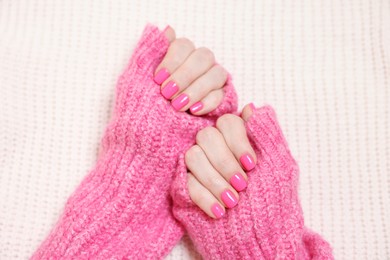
122,209
268,222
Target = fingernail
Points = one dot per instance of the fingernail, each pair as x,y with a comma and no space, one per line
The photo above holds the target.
179,102
161,76
238,182
229,199
252,106
217,210
169,89
196,107
247,161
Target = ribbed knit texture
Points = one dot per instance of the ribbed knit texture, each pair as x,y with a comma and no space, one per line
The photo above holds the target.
268,222
323,65
122,209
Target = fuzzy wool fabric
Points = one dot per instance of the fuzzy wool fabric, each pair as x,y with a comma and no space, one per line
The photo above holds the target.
122,209
323,65
268,221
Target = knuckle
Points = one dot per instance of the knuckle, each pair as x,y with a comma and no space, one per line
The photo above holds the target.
196,196
206,134
176,59
215,98
185,74
225,164
227,120
191,182
221,74
206,54
184,43
242,141
194,191
214,182
193,154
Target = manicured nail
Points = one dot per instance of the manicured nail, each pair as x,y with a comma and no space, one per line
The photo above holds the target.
180,102
169,89
252,106
217,210
229,199
196,107
161,76
238,182
247,161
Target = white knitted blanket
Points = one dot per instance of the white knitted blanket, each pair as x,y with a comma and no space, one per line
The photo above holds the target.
323,65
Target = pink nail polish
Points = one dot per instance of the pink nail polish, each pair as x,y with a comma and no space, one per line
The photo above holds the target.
247,161
229,199
180,102
169,89
196,107
238,182
161,76
252,106
217,210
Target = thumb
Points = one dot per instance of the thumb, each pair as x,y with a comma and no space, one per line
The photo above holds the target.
247,111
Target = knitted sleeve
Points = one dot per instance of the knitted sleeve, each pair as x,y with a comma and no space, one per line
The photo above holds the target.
268,221
122,209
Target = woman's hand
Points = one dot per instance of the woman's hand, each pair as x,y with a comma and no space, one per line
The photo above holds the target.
217,164
190,77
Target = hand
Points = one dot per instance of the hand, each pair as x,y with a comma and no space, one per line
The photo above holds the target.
268,221
190,77
126,195
217,164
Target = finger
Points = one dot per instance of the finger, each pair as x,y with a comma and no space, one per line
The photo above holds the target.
208,103
229,101
169,33
177,53
221,158
213,79
198,63
204,199
247,111
234,133
205,173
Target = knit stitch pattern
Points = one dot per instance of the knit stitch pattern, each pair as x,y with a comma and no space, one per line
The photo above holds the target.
268,221
122,209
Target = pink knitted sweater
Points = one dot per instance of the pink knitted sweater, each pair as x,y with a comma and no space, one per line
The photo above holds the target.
123,208
268,221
